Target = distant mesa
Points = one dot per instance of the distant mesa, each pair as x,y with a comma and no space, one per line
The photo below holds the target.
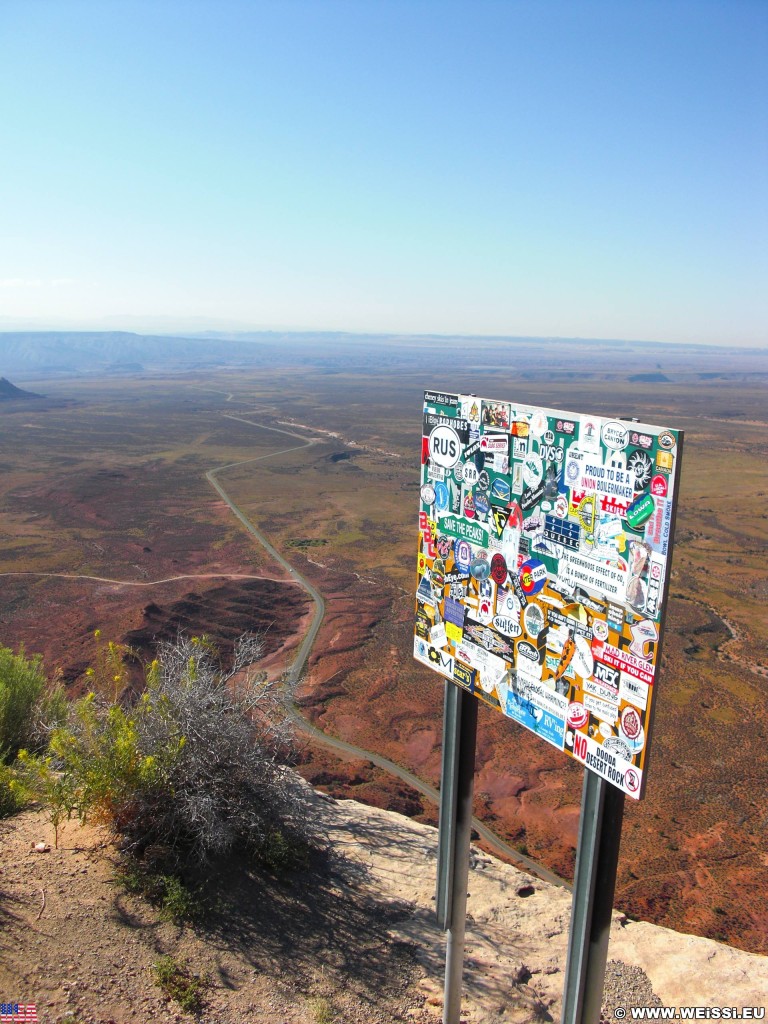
9,392
649,378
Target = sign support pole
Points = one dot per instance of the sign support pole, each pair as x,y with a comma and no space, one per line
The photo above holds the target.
594,885
457,781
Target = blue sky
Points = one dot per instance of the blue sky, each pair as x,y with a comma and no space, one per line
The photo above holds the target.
593,169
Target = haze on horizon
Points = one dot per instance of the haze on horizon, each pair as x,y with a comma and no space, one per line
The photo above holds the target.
465,168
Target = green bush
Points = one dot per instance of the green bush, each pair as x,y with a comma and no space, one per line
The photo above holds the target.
30,708
24,694
195,766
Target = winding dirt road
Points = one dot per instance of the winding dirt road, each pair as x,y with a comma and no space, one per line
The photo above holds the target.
299,663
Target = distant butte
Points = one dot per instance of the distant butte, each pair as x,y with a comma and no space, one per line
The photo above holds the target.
9,392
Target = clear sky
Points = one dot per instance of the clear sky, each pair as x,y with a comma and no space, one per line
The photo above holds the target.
530,167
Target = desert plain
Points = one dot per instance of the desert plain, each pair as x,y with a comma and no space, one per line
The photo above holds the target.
108,521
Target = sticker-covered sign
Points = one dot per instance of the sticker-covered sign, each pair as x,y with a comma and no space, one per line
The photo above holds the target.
542,589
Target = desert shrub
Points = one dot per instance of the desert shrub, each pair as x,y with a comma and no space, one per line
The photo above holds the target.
28,704
196,766
14,795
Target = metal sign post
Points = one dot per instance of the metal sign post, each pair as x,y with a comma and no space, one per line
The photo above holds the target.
594,885
457,781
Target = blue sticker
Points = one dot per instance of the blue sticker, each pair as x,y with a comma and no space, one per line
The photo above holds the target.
501,492
442,496
543,723
462,555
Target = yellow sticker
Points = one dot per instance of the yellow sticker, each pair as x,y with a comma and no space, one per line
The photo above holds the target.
454,632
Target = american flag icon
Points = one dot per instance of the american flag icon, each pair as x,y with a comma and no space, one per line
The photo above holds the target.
18,1013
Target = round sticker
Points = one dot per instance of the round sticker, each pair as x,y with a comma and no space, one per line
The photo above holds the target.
539,423
533,576
631,780
600,629
632,729
533,620
444,446
499,570
480,568
533,470
615,435
428,494
578,716
639,462
469,505
470,474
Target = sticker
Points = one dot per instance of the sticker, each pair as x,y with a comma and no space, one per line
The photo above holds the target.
614,435
659,486
480,568
618,748
533,620
578,716
464,676
482,504
633,691
562,531
437,635
444,446
601,576
442,497
507,625
499,571
600,629
428,494
640,511
632,729
583,662
667,440
644,635
601,709
460,528
500,490
639,463
533,471
589,434
462,555
533,576
539,422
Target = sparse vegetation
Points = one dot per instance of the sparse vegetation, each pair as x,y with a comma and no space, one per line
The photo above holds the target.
177,901
195,767
321,1010
178,982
